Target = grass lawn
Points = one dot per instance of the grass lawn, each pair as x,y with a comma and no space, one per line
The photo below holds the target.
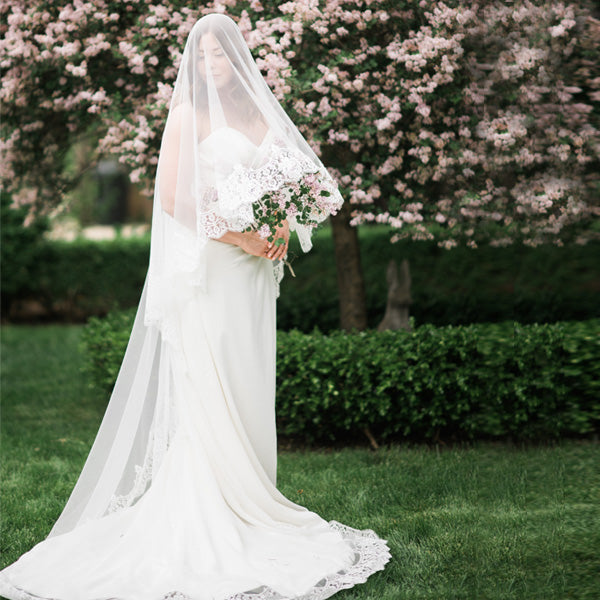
487,521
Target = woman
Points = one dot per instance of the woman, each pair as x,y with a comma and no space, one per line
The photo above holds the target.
178,498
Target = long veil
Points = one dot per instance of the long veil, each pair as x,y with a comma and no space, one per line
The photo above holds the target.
200,192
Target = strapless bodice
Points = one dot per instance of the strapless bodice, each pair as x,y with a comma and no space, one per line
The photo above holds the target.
226,147
231,134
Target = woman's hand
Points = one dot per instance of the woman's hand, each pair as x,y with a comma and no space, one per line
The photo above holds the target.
279,252
252,243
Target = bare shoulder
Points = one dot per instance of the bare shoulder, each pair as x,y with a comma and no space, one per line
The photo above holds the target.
180,114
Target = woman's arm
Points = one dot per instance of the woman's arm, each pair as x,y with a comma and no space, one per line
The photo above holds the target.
169,159
252,243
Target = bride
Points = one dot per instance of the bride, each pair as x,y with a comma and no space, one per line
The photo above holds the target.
177,498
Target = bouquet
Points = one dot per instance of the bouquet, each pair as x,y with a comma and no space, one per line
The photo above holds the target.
287,186
309,200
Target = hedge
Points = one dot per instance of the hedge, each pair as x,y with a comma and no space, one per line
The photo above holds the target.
460,286
92,278
505,380
74,280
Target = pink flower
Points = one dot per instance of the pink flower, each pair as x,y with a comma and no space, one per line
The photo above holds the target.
291,210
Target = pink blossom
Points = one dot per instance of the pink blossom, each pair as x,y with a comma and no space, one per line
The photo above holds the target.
396,126
264,231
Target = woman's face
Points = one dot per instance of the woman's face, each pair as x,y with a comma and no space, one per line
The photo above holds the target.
212,58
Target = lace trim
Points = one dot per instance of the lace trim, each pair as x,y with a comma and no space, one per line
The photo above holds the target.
143,474
244,186
212,225
372,554
277,275
164,426
228,205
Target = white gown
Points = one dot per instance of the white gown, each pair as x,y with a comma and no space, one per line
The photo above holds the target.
212,526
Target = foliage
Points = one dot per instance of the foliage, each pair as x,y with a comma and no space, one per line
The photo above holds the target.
467,382
493,521
446,383
21,251
76,279
446,121
104,342
88,277
449,287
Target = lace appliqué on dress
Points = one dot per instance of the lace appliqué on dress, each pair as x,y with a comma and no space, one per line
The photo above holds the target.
143,475
372,554
161,435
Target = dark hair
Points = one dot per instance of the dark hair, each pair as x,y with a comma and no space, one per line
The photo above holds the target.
235,89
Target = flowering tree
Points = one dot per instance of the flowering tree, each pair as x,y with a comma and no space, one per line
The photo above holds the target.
73,69
465,123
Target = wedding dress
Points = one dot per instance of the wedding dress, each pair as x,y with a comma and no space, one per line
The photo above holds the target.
178,497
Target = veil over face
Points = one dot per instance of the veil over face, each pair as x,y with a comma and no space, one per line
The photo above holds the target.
227,141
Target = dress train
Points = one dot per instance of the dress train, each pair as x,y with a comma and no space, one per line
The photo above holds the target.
212,525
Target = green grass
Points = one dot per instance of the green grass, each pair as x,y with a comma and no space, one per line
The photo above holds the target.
481,522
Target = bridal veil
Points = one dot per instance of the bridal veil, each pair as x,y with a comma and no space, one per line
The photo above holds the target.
199,194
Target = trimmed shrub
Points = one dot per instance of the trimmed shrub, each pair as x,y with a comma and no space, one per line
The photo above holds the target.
85,277
21,252
103,344
449,287
74,280
526,382
460,286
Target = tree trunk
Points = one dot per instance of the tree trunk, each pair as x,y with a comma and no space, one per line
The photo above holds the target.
351,285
